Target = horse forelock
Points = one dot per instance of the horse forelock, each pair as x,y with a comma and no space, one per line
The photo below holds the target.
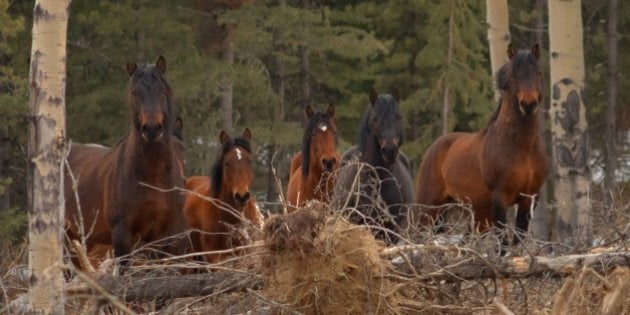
521,67
318,119
216,171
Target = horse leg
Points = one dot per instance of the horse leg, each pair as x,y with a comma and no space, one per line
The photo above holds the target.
499,216
121,240
523,216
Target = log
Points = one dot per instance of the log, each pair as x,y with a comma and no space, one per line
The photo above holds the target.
162,288
478,267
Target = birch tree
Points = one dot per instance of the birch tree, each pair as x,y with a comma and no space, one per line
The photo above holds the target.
569,128
46,147
498,35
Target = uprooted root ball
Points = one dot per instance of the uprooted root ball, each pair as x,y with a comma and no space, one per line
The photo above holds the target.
320,265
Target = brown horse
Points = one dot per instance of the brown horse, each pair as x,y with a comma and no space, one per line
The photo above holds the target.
115,209
228,186
501,165
312,169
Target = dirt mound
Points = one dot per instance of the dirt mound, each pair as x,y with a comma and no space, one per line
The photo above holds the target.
318,264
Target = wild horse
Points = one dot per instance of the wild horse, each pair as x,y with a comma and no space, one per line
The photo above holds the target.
116,207
312,171
383,198
502,164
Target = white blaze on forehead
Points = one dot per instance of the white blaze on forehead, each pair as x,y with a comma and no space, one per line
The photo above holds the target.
239,154
323,127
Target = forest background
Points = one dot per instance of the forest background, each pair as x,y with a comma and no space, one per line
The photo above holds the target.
258,64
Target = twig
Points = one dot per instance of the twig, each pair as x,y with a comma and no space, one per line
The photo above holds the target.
111,298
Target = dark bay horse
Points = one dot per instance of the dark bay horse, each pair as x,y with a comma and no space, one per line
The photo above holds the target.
386,186
498,166
313,168
215,222
116,209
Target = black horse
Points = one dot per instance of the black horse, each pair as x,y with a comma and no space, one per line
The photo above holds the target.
379,186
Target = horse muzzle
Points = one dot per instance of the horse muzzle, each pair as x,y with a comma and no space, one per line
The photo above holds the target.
241,199
527,108
389,153
152,133
329,165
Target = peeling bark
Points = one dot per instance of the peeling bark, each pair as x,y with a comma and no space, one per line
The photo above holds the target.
46,149
569,127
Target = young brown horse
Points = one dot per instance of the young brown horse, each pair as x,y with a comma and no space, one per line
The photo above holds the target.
312,169
229,188
115,209
501,165
387,185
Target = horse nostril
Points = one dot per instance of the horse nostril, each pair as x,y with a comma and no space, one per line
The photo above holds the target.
241,199
329,165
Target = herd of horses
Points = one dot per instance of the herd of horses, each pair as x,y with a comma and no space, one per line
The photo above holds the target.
129,195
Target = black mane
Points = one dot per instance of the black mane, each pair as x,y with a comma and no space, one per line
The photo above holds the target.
216,171
317,119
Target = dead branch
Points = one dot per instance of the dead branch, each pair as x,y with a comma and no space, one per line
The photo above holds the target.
481,268
145,289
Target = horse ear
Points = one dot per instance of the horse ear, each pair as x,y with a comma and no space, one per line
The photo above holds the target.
373,96
309,111
331,110
179,124
396,94
247,134
511,51
131,67
536,51
161,64
223,137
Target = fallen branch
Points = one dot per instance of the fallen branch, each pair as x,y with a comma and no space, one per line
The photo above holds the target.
146,288
480,268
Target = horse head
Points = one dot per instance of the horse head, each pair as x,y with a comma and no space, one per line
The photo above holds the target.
384,123
521,79
236,167
151,100
318,143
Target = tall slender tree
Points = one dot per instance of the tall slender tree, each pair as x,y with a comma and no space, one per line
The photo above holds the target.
46,147
569,129
611,95
498,20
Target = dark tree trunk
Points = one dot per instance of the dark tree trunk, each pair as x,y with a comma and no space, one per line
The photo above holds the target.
611,95
5,179
226,86
542,218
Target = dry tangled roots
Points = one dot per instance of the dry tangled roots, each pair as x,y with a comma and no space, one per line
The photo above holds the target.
324,265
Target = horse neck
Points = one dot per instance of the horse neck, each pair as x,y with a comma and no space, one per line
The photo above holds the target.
155,162
520,130
227,201
370,152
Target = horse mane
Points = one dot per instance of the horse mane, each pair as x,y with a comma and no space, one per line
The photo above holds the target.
364,129
315,120
216,171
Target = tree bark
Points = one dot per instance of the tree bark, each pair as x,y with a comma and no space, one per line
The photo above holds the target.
226,86
449,58
305,73
5,179
542,217
498,20
46,149
569,128
611,95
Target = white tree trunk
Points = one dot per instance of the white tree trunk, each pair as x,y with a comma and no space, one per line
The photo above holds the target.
498,20
46,149
569,129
